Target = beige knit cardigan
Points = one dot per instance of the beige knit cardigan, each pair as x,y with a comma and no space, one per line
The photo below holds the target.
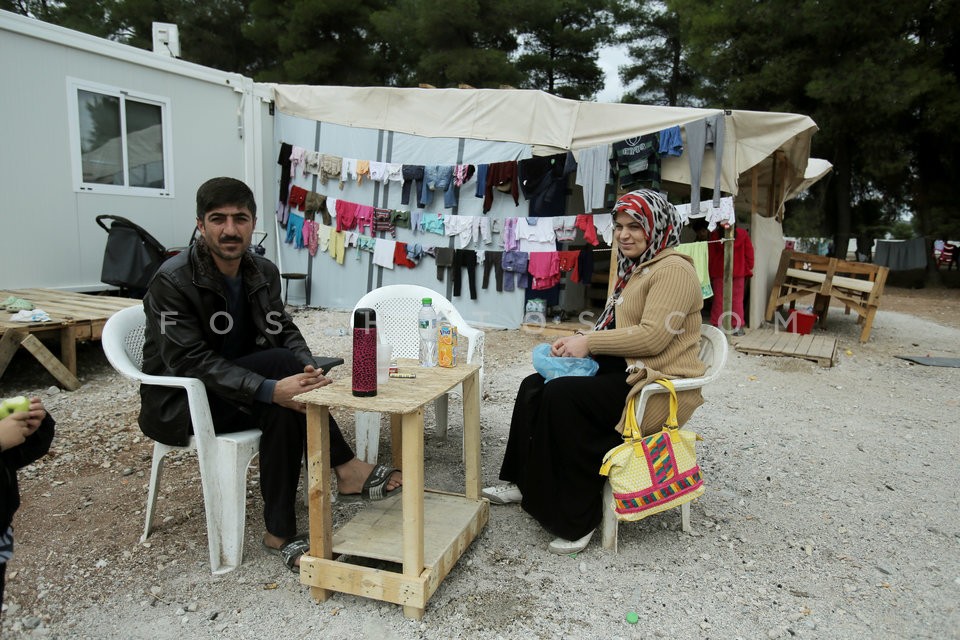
658,332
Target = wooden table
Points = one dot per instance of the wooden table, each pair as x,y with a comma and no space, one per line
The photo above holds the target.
425,531
75,317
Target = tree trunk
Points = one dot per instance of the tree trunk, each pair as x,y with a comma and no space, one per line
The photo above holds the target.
842,191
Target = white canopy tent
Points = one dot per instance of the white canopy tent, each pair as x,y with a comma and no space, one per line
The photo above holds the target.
764,163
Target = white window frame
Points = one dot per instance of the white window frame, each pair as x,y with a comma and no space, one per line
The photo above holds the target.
76,161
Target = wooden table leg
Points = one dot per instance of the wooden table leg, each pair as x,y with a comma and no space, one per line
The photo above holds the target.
471,435
15,338
396,440
68,347
412,497
321,512
8,346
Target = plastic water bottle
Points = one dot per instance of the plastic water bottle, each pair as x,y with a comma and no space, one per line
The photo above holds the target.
427,320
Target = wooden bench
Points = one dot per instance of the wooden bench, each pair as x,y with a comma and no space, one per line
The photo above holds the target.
857,285
74,317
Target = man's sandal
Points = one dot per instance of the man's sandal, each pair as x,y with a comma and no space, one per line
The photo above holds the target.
291,551
374,488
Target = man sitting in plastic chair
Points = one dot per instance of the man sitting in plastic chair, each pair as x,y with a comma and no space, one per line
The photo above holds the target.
214,313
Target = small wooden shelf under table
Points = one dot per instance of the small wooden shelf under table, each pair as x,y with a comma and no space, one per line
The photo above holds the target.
425,531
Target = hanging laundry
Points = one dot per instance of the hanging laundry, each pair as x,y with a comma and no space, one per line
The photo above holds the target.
671,142
701,263
570,263
637,162
297,157
515,269
378,171
585,223
493,260
330,168
462,174
503,177
348,171
545,269
400,256
382,222
481,179
383,251
444,258
465,259
412,177
284,161
337,245
295,231
438,178
543,182
565,228
311,163
536,234
704,134
298,197
593,174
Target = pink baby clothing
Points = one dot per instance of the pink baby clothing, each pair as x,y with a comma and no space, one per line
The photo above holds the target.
544,266
510,242
364,217
346,215
297,157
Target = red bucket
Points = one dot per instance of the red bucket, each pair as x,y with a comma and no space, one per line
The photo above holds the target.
801,322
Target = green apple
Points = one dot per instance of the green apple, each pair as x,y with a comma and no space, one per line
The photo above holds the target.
14,405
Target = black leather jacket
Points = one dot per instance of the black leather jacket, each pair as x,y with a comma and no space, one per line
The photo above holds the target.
179,340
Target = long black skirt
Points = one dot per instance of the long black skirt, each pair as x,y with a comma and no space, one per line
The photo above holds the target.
559,433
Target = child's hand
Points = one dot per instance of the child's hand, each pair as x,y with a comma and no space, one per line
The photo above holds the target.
37,414
14,430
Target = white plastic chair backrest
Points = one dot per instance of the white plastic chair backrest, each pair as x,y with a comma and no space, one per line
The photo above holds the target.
397,307
122,340
713,351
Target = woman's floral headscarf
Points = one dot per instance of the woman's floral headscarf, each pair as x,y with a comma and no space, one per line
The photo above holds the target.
661,225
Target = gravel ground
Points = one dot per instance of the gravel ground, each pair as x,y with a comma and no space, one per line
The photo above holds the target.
831,511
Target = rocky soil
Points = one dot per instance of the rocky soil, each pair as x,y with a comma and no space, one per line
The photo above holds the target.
831,512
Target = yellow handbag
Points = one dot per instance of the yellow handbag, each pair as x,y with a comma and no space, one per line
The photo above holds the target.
652,474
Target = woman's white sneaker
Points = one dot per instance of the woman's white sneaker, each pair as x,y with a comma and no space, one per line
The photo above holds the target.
562,546
503,494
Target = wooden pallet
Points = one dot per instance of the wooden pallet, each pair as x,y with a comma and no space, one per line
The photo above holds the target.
74,317
820,349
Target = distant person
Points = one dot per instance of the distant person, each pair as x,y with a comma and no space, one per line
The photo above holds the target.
25,437
560,430
214,312
742,269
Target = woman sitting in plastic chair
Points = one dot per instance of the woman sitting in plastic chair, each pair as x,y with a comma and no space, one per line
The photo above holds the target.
650,329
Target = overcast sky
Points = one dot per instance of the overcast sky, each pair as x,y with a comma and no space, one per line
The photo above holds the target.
610,59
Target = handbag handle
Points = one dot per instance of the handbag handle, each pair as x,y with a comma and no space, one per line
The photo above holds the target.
632,430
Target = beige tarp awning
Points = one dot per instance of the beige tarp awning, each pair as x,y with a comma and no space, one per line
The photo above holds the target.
550,123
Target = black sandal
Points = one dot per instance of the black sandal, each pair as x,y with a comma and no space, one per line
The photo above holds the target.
292,551
374,488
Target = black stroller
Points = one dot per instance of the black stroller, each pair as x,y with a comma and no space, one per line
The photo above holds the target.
131,257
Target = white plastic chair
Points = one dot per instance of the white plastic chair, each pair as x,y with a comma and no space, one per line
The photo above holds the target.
397,307
223,458
713,353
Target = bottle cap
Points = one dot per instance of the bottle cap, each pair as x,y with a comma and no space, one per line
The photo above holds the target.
365,318
427,301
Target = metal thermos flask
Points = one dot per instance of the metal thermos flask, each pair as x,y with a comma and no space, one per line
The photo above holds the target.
364,352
